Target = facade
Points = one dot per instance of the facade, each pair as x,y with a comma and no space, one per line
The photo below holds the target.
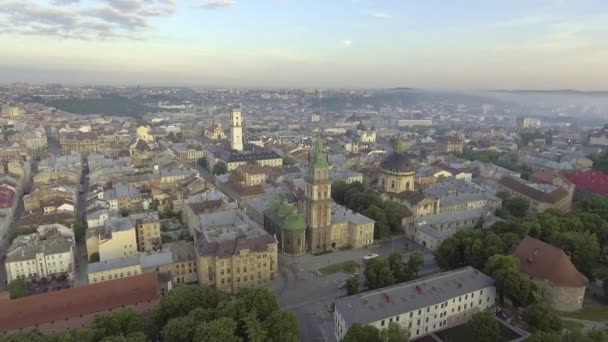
283,221
45,254
541,196
251,175
430,231
143,133
397,173
215,132
115,240
233,252
83,142
422,306
551,268
452,145
599,139
147,229
414,122
236,130
77,307
106,270
527,122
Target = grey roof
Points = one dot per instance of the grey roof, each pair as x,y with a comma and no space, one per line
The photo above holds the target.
390,301
113,264
341,214
431,224
26,247
156,259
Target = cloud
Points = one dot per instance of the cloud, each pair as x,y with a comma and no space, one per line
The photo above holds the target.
218,4
381,15
117,19
347,43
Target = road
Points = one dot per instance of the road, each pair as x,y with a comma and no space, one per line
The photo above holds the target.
304,291
80,253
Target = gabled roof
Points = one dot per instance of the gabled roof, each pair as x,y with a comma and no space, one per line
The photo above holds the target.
522,188
544,261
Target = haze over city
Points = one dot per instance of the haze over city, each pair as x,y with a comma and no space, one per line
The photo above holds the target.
464,44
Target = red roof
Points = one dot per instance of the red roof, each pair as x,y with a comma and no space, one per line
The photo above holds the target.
594,181
7,197
52,306
544,261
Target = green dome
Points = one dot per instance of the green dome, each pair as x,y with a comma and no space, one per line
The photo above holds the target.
285,210
294,222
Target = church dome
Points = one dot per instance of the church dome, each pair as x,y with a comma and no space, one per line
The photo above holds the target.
285,210
294,222
397,162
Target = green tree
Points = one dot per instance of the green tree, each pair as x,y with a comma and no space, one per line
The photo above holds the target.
80,229
398,267
338,190
220,168
254,328
154,204
362,333
183,299
395,333
540,318
134,337
258,300
542,336
378,273
518,206
282,326
449,254
180,329
94,257
287,161
483,327
505,270
219,330
17,289
415,262
394,214
381,228
124,322
352,286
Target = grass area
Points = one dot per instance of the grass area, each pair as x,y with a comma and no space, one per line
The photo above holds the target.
347,266
572,326
460,333
589,313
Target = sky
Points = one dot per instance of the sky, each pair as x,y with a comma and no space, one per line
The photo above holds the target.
447,44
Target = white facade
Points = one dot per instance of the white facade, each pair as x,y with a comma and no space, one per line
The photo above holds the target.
599,141
236,131
453,298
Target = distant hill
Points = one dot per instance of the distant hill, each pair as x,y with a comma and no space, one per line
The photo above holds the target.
553,92
111,105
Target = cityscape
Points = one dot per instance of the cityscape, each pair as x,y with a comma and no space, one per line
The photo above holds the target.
313,196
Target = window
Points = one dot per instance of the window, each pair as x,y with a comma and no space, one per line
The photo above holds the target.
411,314
382,323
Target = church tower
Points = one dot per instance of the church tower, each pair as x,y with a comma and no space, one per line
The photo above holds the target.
236,131
318,202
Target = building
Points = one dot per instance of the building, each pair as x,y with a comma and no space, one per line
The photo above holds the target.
233,252
422,306
115,240
47,253
188,153
251,175
83,142
430,231
589,182
143,133
452,144
527,122
59,311
599,138
397,173
147,229
414,122
236,130
283,221
109,269
551,267
215,132
178,260
542,196
235,159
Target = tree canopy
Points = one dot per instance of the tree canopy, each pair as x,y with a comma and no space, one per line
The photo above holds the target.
483,327
220,168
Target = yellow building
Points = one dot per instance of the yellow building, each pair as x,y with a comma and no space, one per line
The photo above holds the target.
101,271
84,142
147,229
116,240
233,252
143,133
215,132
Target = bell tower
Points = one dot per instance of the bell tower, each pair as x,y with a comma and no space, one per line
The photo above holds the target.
318,201
236,130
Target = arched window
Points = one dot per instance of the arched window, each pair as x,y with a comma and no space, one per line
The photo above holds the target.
407,185
392,184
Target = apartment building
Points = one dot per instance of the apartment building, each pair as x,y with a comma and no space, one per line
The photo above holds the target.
147,229
542,196
233,252
421,306
115,240
46,253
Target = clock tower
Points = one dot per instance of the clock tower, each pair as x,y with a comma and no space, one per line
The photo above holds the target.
318,202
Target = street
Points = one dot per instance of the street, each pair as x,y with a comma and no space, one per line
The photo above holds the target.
302,289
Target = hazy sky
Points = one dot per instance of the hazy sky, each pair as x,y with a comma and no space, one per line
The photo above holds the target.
308,43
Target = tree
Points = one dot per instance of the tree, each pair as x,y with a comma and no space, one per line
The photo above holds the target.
540,318
183,299
254,329
378,273
79,228
415,262
505,270
352,286
362,333
180,329
381,228
220,168
398,268
395,333
154,204
134,337
259,300
282,326
449,255
17,288
287,161
202,162
219,330
483,327
542,336
518,206
338,190
124,322
94,257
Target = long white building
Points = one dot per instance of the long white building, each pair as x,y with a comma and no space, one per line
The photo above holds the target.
46,253
421,306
